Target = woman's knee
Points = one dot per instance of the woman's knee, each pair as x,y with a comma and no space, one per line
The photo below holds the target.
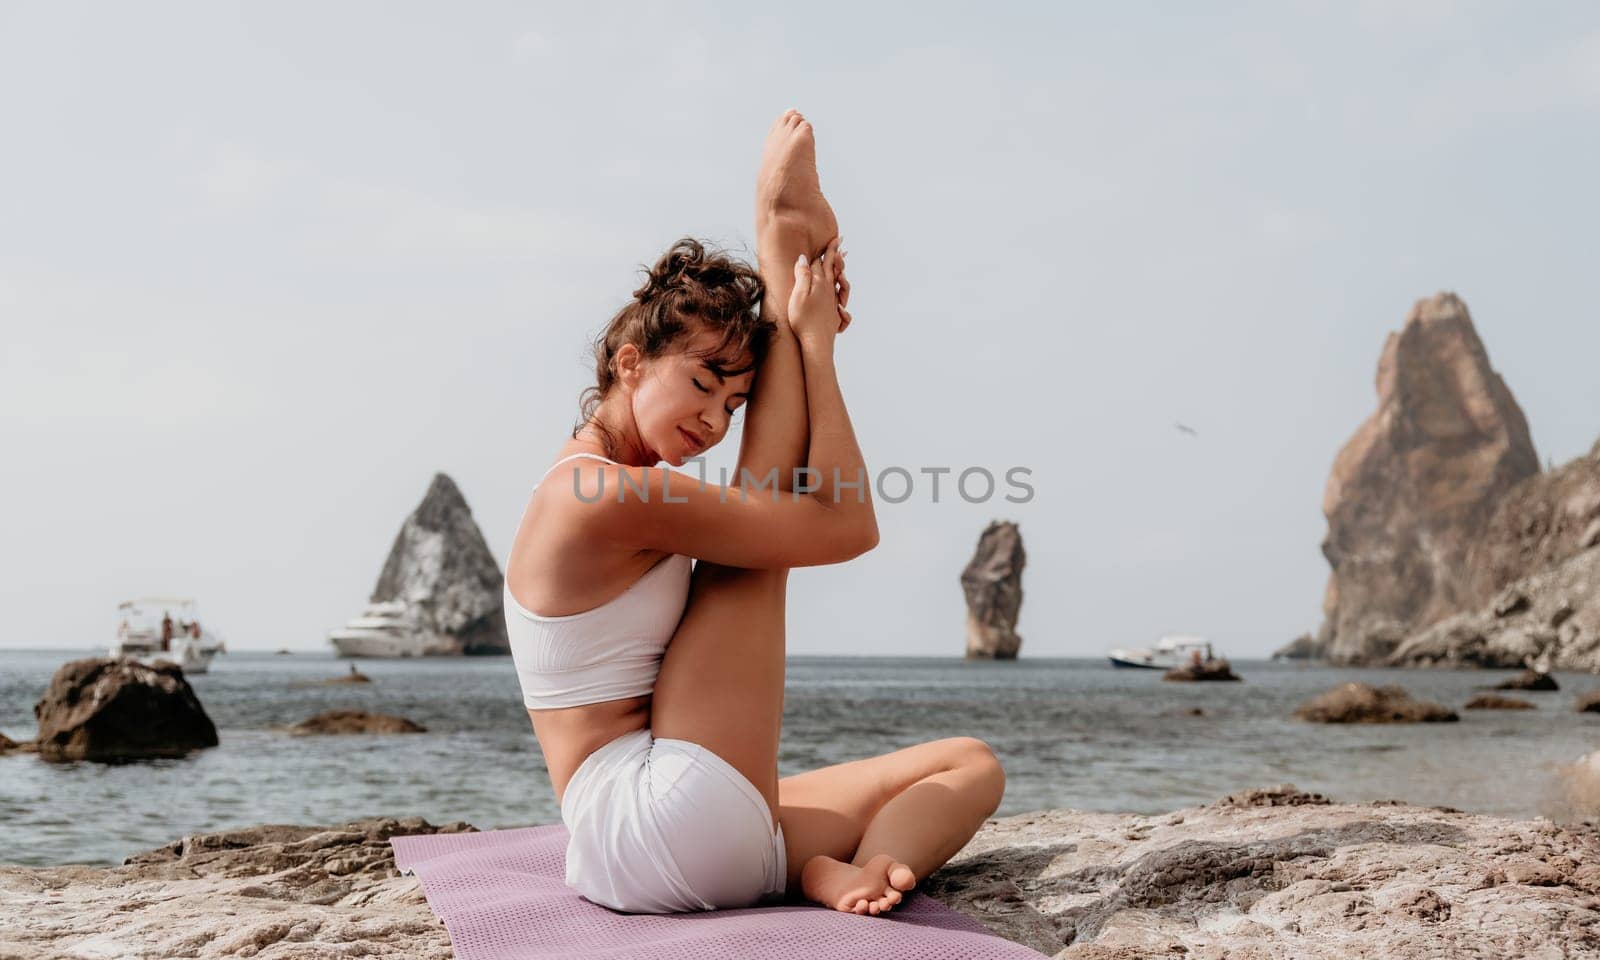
976,755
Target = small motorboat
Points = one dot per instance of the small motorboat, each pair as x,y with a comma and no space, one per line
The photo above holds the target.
1171,651
150,633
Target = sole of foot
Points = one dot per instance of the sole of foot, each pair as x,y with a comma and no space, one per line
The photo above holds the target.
870,889
790,207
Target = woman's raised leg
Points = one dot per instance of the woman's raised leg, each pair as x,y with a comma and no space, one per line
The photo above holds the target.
721,680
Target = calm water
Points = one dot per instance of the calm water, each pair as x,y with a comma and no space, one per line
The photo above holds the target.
1071,733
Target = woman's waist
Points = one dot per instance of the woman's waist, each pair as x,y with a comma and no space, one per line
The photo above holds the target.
570,735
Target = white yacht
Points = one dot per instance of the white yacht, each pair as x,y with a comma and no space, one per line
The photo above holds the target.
165,630
1172,650
382,630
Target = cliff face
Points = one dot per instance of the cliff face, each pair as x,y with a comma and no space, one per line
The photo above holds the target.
992,582
442,568
1540,523
1415,486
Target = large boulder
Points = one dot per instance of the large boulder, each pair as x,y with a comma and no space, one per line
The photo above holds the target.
992,582
111,710
1415,486
1362,703
441,568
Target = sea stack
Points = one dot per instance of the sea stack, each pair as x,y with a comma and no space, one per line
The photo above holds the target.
441,568
1415,487
992,582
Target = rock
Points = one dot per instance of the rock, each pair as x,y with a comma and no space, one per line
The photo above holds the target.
992,583
1284,875
1590,536
1489,701
1303,647
1511,600
1361,703
1414,487
442,569
1266,873
354,721
1209,670
1531,680
1589,702
1557,629
1540,522
282,653
268,892
1580,783
111,710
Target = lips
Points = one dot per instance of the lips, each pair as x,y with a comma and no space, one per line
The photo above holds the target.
695,443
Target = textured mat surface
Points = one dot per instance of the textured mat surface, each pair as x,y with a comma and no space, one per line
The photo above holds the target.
502,896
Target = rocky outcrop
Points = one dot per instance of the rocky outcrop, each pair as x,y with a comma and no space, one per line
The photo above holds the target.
1589,702
1533,681
1303,647
992,582
1361,703
111,710
1415,486
1550,619
272,892
1272,873
1206,671
1491,701
442,569
354,721
6,743
1539,524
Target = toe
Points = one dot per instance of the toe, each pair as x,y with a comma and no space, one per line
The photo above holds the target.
901,877
860,907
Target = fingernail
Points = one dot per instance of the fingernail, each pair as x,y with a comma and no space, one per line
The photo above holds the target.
803,261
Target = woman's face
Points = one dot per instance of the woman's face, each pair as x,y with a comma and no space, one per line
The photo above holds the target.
680,405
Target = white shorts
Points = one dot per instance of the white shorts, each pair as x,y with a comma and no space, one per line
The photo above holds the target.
667,826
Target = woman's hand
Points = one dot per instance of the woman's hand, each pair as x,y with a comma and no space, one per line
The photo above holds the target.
815,308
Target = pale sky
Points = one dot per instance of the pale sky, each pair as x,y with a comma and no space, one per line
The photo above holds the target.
265,269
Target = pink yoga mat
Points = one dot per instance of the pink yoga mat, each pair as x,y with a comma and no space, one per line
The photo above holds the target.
502,896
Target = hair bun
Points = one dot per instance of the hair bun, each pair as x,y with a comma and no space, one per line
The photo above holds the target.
684,261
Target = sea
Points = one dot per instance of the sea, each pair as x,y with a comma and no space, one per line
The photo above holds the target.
1069,732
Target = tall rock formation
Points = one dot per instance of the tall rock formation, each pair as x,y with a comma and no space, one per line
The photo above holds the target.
992,582
1417,483
443,570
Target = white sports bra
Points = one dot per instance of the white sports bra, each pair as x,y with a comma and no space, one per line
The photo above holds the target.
609,652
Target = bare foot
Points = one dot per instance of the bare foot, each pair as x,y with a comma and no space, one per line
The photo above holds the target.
870,889
790,208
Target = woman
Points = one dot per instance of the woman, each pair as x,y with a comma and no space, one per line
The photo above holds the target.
656,692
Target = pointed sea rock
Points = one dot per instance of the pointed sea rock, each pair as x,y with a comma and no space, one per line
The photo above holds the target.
992,582
1414,488
443,570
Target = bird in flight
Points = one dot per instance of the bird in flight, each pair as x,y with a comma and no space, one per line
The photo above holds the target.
1185,428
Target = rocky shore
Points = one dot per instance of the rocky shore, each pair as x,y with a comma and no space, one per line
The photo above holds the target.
1262,874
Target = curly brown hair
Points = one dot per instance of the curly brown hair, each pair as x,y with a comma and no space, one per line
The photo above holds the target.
693,287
